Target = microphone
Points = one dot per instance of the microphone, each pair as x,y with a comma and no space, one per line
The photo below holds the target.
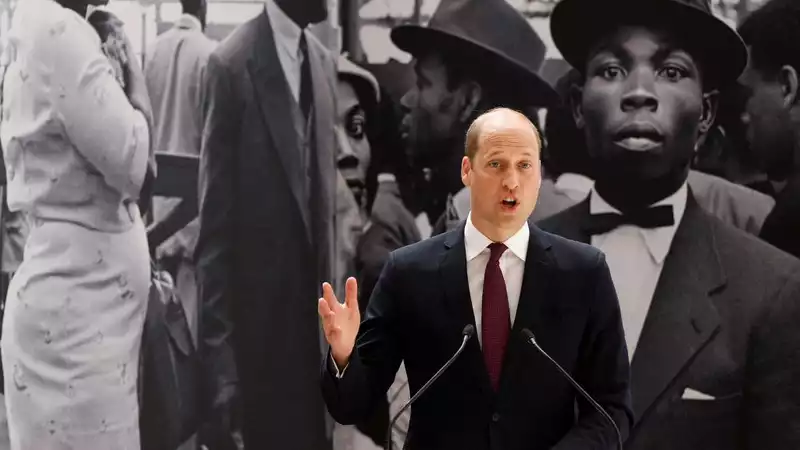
469,330
529,337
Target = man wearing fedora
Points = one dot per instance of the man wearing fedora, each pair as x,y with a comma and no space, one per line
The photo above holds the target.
710,313
473,55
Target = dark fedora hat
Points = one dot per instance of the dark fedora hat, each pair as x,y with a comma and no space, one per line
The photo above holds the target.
490,34
577,25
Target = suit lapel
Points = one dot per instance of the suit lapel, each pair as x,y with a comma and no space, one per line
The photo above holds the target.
322,80
453,274
275,104
682,318
535,310
535,282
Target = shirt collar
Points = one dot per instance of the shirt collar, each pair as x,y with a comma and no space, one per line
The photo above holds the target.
581,184
476,242
287,32
658,240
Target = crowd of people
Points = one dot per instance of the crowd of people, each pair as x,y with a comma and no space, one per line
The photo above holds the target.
670,142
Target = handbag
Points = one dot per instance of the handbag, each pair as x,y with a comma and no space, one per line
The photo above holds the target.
169,371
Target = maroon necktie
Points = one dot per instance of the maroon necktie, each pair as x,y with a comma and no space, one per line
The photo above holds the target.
496,322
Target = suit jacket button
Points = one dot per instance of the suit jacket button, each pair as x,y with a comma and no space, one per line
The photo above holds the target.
495,417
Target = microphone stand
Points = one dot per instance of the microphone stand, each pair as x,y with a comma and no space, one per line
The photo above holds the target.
469,330
529,337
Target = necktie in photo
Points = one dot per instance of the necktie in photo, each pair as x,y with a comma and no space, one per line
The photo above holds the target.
306,89
653,217
496,321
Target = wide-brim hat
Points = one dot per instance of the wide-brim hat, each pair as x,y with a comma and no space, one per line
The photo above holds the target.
492,36
577,25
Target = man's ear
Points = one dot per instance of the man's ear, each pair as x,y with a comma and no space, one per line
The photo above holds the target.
789,85
466,171
471,93
576,105
708,114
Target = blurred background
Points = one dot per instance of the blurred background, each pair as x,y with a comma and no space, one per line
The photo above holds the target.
359,27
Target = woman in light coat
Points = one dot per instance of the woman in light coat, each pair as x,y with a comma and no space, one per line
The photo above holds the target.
76,149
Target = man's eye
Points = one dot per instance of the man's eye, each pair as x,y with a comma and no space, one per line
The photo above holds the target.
611,72
674,73
355,126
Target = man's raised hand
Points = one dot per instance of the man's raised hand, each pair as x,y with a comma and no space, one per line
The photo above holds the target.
340,321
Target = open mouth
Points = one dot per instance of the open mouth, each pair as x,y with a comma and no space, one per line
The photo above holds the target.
639,138
509,203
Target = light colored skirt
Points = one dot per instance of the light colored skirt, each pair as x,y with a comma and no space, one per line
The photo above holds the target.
72,332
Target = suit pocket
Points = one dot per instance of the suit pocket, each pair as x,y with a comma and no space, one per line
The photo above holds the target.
688,408
694,424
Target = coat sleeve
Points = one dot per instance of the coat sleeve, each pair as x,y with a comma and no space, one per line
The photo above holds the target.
213,254
375,359
771,418
97,116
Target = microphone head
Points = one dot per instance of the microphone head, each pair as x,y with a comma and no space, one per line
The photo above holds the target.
528,335
469,330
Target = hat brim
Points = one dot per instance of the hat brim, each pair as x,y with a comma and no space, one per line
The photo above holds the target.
530,87
577,26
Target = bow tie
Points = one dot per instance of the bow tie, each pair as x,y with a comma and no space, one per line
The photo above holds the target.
653,217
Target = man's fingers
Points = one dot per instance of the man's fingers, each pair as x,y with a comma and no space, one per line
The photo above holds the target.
324,310
351,294
329,296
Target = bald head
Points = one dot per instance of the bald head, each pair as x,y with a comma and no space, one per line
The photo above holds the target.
501,126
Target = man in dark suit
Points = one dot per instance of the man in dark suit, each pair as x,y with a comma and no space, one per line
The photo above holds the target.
267,181
500,276
710,312
772,112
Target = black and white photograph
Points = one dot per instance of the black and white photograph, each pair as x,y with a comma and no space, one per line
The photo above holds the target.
400,224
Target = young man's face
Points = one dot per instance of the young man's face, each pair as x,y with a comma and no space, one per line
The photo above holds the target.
642,107
432,109
767,119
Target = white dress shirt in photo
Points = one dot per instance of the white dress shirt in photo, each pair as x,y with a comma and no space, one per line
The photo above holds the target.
287,39
635,257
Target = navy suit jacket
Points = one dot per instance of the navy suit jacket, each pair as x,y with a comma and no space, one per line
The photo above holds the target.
417,313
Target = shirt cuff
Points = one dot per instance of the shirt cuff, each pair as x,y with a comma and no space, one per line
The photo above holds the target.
339,374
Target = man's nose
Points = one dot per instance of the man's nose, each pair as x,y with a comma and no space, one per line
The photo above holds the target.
640,91
344,149
409,99
511,181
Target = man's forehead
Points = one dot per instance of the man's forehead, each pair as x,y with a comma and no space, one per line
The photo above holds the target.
428,59
495,138
619,40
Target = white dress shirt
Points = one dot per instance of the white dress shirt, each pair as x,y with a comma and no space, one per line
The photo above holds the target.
512,265
635,258
287,39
